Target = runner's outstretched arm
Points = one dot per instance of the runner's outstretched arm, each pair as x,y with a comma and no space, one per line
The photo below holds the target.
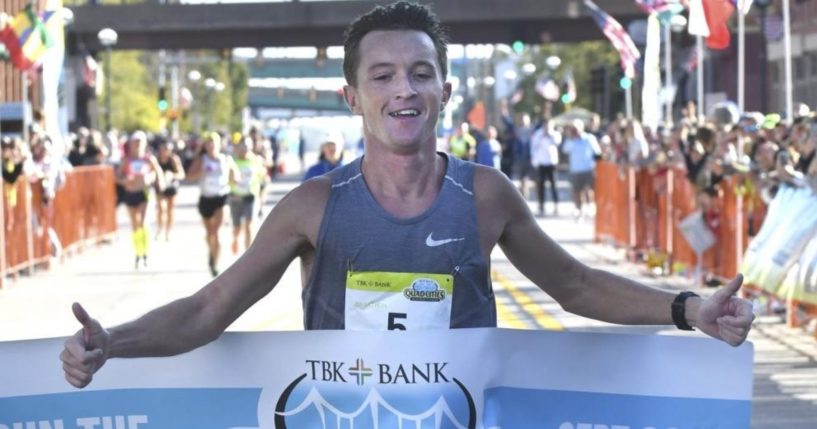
599,294
185,324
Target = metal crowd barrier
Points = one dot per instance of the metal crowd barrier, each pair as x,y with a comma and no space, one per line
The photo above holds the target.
82,213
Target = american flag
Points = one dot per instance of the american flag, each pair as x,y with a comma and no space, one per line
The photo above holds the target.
618,37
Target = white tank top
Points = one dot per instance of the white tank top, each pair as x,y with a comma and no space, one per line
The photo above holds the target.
215,181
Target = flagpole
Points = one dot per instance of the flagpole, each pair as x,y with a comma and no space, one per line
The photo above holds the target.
628,99
787,59
700,53
668,73
741,57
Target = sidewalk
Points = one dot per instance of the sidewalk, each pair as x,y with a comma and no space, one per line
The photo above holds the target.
105,281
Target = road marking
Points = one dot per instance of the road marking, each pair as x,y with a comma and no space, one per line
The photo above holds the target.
526,303
506,317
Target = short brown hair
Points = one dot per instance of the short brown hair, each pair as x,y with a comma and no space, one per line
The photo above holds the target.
396,16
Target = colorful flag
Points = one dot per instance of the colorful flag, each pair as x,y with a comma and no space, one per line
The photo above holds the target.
26,38
717,14
618,37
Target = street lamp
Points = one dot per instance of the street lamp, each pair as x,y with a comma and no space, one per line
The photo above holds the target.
107,38
212,85
194,76
762,6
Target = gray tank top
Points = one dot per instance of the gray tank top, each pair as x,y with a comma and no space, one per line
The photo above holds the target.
357,235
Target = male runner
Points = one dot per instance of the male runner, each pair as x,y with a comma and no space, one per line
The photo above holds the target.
409,215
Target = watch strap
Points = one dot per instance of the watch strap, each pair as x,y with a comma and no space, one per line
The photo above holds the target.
679,310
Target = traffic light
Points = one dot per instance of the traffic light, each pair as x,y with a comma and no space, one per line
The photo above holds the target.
518,46
162,104
625,82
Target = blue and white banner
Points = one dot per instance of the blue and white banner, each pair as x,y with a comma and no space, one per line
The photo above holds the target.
463,379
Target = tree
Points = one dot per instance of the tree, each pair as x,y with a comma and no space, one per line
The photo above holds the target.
133,89
219,110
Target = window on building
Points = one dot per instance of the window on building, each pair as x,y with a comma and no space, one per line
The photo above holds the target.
799,68
813,71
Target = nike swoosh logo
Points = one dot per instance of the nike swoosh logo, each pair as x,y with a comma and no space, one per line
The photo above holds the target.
430,242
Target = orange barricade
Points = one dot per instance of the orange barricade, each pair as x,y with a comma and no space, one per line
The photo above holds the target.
641,209
82,212
19,243
84,208
733,229
612,204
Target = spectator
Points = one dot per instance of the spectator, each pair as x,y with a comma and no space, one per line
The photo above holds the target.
462,143
583,150
487,150
331,157
638,149
87,149
544,155
13,168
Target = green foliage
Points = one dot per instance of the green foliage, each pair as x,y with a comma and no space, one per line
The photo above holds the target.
218,110
579,58
133,92
239,83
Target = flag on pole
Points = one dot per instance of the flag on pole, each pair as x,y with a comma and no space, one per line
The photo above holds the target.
618,37
26,38
717,14
650,90
697,19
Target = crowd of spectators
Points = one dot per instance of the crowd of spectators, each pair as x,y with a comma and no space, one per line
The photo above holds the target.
764,152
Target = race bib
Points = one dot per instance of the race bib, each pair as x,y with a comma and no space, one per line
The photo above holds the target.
398,301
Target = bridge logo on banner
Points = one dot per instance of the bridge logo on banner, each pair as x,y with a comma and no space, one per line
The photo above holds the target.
367,397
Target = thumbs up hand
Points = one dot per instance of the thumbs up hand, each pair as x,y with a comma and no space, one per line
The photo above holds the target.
725,316
86,351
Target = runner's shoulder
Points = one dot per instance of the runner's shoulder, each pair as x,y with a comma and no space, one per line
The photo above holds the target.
303,206
491,185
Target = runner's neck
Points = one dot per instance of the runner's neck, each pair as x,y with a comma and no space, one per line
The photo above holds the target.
404,185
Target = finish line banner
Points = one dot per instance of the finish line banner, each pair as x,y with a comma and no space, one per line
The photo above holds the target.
449,379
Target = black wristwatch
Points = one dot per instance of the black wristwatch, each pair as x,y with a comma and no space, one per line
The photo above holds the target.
679,310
